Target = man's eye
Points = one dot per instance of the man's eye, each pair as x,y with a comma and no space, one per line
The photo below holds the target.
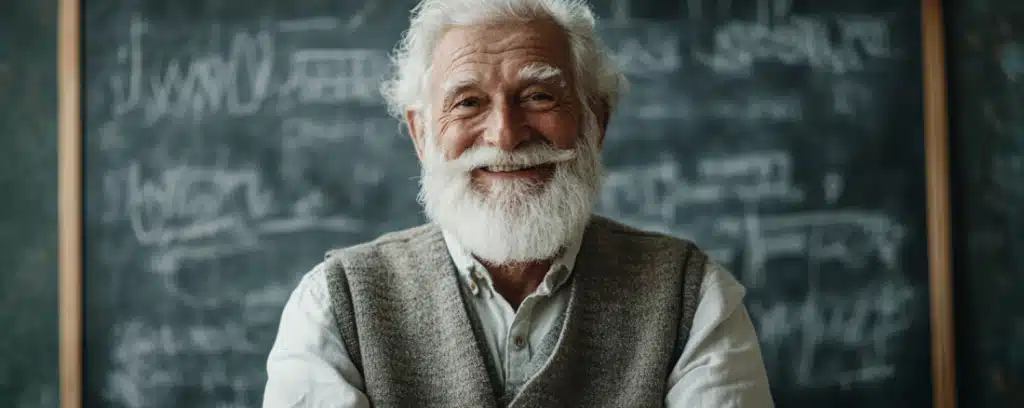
468,103
540,96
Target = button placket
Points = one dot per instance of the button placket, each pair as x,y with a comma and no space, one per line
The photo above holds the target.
519,340
479,281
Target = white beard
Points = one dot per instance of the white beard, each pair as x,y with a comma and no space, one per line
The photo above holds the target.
514,220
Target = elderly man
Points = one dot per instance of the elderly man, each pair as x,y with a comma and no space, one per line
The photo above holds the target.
514,294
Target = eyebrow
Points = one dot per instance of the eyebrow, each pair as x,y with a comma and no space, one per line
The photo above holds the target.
457,83
541,72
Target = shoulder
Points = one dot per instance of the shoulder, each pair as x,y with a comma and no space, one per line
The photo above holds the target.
702,274
616,230
611,234
311,293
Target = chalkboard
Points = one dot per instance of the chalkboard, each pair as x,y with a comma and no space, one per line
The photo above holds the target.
228,144
28,210
986,75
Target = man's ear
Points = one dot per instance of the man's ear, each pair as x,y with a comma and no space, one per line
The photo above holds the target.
415,125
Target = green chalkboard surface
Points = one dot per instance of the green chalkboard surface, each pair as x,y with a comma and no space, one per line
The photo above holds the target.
986,74
28,207
229,144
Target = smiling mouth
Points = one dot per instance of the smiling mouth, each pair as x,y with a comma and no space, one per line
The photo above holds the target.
516,169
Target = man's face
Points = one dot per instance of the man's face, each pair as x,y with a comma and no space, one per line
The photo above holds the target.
510,156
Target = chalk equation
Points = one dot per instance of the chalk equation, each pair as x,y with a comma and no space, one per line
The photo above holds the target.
240,78
661,189
196,212
840,339
830,44
820,330
642,49
145,355
224,359
652,101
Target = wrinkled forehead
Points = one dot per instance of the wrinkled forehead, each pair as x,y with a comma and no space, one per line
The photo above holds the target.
500,53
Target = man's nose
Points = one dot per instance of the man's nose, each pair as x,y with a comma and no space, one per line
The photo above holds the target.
507,128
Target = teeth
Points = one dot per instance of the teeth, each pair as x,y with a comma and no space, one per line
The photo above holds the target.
502,169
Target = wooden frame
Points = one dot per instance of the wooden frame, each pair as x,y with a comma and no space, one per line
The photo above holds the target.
70,203
937,175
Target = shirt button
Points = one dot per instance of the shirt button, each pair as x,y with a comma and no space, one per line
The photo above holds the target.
519,342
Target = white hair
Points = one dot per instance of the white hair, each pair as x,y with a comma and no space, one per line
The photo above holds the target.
598,78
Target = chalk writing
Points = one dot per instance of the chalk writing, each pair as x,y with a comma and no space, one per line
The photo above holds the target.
236,83
645,50
645,103
761,108
836,339
309,24
359,16
185,203
336,75
302,137
659,189
824,337
143,352
778,36
140,339
850,238
241,80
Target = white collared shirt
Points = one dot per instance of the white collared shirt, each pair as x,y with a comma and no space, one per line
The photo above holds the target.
720,365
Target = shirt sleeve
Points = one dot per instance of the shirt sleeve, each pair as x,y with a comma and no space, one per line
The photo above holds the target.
308,364
721,364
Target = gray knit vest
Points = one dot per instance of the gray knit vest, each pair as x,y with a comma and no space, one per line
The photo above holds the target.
404,321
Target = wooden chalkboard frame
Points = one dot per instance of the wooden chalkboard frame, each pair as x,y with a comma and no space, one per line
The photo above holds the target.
937,198
71,201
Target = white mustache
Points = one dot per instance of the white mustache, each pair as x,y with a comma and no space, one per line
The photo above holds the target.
529,156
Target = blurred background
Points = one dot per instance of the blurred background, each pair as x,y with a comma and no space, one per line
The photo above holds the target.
228,144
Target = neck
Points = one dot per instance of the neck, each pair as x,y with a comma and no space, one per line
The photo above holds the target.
516,281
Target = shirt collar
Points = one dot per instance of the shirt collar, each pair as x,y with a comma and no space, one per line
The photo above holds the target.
474,274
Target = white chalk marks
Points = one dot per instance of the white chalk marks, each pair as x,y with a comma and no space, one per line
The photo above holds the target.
660,189
738,45
644,49
834,44
145,357
335,75
181,205
811,338
241,78
192,87
824,339
213,147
